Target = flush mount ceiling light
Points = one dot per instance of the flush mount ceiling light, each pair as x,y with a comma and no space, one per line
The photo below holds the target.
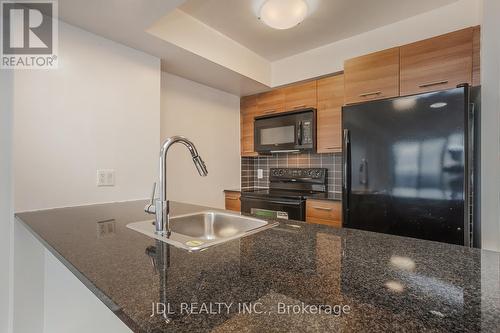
283,14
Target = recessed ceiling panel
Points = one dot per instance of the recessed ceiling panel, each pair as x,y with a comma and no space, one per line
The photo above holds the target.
329,21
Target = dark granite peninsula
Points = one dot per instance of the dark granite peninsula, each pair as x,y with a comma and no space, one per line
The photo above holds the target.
295,277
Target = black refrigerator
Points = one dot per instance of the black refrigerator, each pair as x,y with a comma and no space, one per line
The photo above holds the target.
409,166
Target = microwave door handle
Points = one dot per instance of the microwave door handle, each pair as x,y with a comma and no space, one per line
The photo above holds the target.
299,133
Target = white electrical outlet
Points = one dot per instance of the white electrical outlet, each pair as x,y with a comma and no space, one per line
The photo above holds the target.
260,173
106,177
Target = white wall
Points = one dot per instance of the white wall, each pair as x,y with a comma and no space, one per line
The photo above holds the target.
211,119
100,109
6,82
330,58
490,123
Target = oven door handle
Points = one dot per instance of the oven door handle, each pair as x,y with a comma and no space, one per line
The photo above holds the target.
279,202
295,203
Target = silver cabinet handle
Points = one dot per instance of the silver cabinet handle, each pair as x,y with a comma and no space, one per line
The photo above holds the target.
322,208
370,93
232,198
430,84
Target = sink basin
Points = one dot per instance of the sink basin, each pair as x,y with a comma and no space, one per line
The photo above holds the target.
199,231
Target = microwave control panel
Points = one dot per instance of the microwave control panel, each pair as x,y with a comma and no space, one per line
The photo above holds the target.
307,135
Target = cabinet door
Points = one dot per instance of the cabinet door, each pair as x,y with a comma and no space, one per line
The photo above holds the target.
324,212
373,76
233,201
442,62
248,110
476,56
329,124
271,102
301,96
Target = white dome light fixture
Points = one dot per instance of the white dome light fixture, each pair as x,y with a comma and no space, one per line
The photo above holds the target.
283,14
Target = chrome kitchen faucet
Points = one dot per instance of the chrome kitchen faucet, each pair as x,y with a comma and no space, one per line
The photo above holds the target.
160,207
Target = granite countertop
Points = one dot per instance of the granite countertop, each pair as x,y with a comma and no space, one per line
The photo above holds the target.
294,277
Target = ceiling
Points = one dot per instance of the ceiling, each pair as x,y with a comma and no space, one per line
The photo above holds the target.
329,21
234,21
127,22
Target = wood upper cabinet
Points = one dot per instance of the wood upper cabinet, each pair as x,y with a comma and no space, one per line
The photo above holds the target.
437,63
300,96
476,56
248,111
324,212
373,76
329,124
271,102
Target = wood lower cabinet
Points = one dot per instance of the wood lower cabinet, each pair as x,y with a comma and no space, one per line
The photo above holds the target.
371,77
329,116
438,63
301,96
271,102
233,200
248,111
324,212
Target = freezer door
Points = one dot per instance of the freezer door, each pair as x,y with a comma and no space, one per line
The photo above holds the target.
405,165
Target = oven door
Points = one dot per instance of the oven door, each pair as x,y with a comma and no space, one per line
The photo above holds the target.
290,209
290,132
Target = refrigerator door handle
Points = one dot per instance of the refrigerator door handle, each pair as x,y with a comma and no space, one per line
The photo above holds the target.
344,157
345,177
469,193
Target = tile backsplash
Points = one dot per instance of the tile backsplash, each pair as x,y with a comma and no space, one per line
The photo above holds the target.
251,165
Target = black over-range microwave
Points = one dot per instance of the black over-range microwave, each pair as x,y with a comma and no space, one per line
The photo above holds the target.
286,132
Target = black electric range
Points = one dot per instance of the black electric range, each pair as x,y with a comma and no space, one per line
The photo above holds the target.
287,193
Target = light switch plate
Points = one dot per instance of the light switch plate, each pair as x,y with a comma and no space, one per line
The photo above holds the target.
105,177
260,173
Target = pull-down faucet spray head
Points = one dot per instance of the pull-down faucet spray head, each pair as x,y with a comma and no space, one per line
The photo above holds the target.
200,166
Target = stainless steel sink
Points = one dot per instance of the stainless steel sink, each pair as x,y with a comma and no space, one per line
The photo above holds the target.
199,231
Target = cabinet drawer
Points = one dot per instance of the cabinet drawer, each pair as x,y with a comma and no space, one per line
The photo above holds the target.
324,212
301,96
331,223
233,201
438,63
373,76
